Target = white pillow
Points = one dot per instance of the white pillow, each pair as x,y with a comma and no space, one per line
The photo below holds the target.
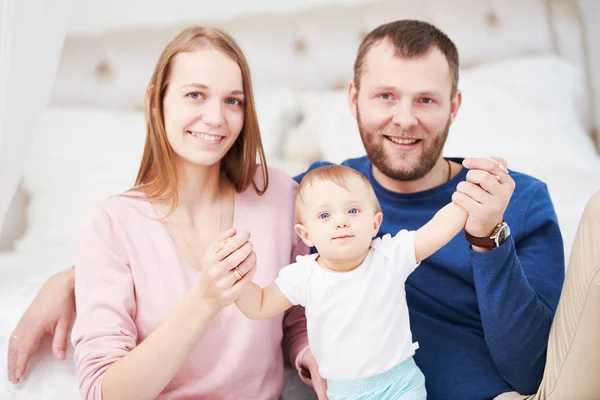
78,156
533,111
328,130
278,112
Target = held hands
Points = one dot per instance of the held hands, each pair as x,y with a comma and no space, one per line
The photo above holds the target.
485,194
51,312
227,267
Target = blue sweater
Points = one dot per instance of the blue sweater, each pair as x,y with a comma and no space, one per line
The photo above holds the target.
482,320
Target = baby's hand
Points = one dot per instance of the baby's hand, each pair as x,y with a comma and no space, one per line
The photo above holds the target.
220,246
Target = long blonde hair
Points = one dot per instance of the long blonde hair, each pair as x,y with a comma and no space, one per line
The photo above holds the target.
157,177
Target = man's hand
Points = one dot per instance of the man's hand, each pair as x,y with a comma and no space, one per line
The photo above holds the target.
52,311
309,363
485,194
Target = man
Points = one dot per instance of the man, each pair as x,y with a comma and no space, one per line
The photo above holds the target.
480,311
481,316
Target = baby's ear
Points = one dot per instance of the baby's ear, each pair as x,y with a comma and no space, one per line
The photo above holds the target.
303,233
377,220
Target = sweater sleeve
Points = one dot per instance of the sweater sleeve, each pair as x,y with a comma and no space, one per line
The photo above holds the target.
104,330
518,286
295,337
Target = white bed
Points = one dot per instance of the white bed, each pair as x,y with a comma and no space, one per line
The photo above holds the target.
528,96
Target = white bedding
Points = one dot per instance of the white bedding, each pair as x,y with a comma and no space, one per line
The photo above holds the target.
21,276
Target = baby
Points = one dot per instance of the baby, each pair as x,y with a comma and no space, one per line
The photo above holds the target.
353,289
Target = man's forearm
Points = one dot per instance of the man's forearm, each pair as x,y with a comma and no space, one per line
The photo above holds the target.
516,319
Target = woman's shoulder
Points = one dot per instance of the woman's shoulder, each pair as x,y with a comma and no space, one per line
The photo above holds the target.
121,207
280,184
281,180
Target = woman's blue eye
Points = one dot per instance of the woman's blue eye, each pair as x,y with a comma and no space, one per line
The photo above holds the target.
353,211
194,95
324,215
234,102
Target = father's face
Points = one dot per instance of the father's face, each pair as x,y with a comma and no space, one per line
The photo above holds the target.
404,110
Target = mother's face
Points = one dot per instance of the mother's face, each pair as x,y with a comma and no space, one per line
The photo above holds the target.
203,106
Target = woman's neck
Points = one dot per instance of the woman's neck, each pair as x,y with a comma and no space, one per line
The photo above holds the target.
198,188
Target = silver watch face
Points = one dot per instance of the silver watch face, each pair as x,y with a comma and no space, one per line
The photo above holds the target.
502,234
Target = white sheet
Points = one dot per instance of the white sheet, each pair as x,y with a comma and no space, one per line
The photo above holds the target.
21,276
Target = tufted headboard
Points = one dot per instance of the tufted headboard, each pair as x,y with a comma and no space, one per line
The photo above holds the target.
315,49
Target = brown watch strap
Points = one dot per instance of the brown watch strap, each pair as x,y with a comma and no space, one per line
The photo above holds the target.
485,242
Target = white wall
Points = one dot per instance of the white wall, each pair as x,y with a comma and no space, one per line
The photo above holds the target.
91,16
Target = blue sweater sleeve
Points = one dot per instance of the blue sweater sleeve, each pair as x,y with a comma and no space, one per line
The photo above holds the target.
518,286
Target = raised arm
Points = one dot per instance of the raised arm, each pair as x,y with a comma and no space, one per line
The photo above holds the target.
444,225
258,303
518,284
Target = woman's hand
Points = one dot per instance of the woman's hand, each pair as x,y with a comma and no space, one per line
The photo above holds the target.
309,363
227,267
51,312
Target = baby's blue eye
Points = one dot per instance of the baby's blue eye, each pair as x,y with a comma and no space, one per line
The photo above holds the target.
324,215
353,211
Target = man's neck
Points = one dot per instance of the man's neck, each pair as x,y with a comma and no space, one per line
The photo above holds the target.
437,176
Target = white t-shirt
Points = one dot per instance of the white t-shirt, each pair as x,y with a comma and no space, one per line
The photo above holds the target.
357,321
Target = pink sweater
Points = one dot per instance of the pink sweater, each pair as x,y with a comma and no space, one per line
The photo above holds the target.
130,275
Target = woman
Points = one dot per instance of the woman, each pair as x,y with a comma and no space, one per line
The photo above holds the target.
158,267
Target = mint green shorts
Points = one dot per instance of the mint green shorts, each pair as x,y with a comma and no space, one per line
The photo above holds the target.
404,381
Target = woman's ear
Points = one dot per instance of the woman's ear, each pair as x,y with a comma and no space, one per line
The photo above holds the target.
303,233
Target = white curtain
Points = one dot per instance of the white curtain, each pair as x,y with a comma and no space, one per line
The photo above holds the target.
31,38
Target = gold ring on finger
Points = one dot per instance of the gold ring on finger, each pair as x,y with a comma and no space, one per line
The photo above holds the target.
238,273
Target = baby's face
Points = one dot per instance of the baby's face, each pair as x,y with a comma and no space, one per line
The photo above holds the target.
339,222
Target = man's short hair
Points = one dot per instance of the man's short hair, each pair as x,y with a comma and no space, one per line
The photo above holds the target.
410,38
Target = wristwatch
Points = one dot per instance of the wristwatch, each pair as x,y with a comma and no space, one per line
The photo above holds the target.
499,236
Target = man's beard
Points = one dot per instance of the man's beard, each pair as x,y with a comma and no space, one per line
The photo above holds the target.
400,168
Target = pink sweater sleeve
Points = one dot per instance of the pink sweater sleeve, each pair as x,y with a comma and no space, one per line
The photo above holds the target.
104,330
295,339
